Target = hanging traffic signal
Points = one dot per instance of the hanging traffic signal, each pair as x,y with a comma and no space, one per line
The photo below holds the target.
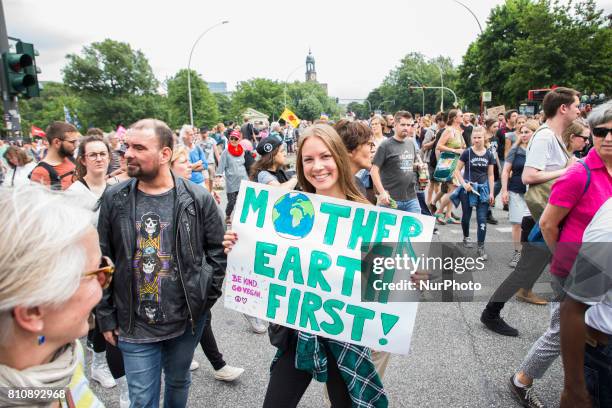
32,69
20,71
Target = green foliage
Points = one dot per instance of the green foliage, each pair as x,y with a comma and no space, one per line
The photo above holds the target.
415,70
48,107
362,110
263,95
531,44
225,107
110,68
205,110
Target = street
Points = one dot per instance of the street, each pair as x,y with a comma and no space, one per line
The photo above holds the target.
453,361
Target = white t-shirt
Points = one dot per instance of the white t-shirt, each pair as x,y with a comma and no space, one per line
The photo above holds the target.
86,199
544,151
590,281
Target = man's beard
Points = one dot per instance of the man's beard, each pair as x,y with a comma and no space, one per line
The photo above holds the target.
63,152
140,174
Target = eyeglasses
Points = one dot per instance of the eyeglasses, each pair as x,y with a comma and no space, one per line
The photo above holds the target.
601,131
94,155
74,142
104,273
585,138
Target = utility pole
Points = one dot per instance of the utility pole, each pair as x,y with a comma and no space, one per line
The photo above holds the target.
11,118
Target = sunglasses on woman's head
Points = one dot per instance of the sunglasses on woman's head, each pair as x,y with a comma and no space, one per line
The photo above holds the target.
601,131
104,274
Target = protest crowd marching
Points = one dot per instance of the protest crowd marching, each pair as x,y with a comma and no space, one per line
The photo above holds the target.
135,233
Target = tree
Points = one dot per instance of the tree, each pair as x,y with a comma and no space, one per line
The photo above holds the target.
263,95
360,109
205,110
225,107
110,68
301,97
530,44
415,70
49,106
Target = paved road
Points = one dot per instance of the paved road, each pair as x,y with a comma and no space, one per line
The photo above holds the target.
453,362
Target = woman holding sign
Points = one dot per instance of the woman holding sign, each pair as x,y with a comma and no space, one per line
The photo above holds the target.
323,167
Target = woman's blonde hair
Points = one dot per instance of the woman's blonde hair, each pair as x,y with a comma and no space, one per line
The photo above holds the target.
177,153
42,258
531,124
575,128
334,143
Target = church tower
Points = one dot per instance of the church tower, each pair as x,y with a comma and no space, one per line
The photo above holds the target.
311,74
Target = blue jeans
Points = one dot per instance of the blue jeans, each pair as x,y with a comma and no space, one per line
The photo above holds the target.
422,204
481,218
411,206
144,362
598,373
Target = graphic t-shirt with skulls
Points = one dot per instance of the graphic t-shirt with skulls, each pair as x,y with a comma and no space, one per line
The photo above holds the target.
159,300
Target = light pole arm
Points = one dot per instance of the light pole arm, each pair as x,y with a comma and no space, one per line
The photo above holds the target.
471,12
189,66
287,79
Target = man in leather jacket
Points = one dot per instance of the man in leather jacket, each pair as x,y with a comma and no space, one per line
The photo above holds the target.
164,235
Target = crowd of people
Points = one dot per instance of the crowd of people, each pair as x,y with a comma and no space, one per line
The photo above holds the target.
134,256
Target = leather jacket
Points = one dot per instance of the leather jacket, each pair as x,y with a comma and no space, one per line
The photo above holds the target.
198,234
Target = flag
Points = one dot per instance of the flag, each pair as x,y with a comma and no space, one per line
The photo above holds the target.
38,132
67,117
290,117
120,132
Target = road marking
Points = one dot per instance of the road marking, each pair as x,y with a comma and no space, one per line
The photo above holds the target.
504,229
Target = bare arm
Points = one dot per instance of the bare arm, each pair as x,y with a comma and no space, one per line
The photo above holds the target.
532,175
378,186
549,224
504,181
491,184
441,147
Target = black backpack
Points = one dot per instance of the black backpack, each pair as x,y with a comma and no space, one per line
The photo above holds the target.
56,179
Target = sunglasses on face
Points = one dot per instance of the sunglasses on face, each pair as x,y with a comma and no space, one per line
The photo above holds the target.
233,139
585,138
104,274
601,131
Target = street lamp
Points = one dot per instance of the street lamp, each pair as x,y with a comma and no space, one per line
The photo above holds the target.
423,91
471,12
287,79
189,66
441,87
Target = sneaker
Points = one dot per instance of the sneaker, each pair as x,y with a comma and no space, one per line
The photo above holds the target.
194,365
482,254
497,325
525,395
467,242
256,324
101,373
124,394
530,297
440,218
435,231
492,220
228,373
515,258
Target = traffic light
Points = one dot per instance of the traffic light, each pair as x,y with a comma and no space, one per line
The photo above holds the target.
20,71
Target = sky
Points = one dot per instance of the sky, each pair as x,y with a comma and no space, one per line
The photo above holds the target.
355,43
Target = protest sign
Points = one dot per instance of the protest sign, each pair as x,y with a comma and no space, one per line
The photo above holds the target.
297,263
493,111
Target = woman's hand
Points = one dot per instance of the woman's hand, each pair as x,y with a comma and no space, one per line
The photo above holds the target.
229,240
468,187
217,197
505,197
458,151
491,199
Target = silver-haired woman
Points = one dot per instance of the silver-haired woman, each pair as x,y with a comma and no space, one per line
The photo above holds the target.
51,276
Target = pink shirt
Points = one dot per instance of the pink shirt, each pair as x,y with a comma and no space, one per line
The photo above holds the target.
567,192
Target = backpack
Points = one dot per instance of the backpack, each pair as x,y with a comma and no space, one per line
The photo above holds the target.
56,179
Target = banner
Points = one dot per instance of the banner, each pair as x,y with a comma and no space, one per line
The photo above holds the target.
37,132
297,263
493,111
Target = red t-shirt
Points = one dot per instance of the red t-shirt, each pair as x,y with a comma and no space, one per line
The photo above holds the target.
41,175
